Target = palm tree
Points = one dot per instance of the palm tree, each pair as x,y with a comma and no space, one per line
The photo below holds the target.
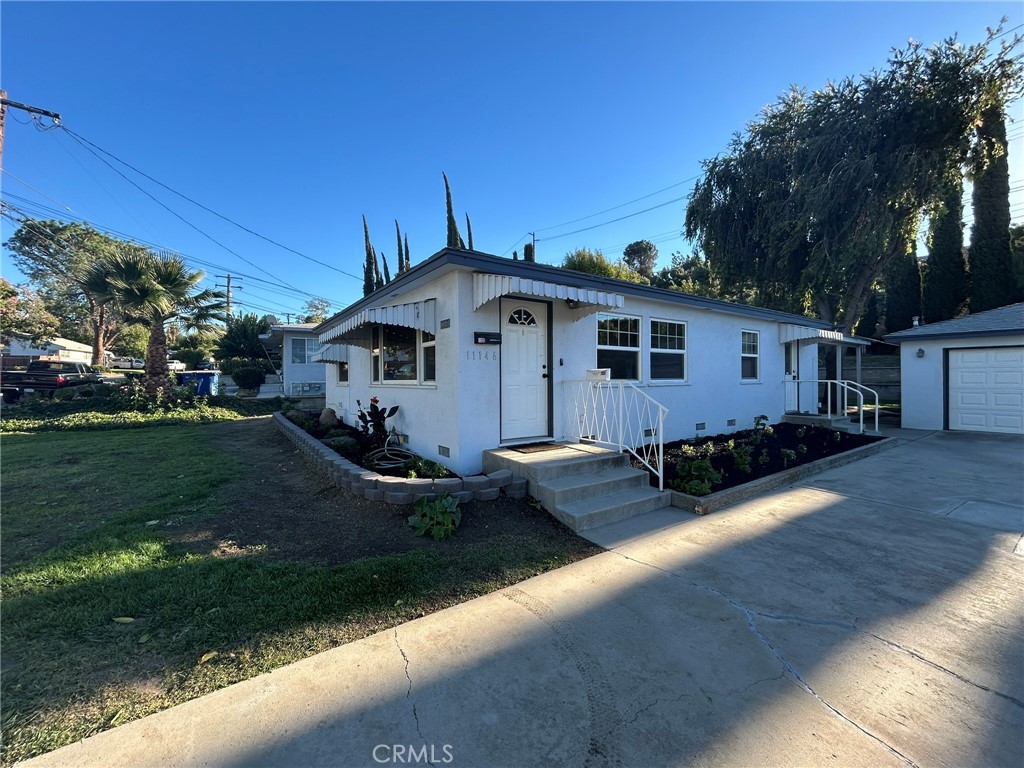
158,292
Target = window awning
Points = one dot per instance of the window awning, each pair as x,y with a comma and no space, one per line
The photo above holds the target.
788,332
331,353
418,314
487,287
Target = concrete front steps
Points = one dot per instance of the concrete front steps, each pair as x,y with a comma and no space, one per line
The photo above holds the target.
839,423
582,486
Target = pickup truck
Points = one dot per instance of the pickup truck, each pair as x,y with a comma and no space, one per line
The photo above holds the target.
45,377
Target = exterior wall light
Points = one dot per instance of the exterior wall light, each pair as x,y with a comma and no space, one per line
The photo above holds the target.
571,303
920,352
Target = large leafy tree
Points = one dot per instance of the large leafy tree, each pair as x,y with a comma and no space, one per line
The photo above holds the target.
641,256
23,313
596,263
692,274
241,338
56,257
808,207
155,291
317,310
992,279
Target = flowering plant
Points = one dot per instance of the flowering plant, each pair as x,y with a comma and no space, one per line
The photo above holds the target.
372,421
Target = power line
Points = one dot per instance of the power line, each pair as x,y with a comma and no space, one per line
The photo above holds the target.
616,207
244,228
613,221
176,214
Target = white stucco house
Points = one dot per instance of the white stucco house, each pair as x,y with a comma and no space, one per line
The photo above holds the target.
481,352
63,349
964,374
301,375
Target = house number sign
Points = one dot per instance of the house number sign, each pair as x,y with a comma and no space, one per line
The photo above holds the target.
481,354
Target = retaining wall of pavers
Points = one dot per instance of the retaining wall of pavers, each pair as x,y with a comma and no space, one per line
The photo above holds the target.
396,490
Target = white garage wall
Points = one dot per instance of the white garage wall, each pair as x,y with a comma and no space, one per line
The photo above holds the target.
923,378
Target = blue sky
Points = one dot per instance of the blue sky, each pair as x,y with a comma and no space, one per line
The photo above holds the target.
296,119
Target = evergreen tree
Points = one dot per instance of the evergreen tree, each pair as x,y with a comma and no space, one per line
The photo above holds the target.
528,254
369,267
992,279
378,279
868,323
902,290
469,232
454,238
408,264
944,276
401,261
387,273
641,256
515,255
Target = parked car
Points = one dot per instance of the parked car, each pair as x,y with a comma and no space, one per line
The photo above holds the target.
175,365
206,365
128,362
45,377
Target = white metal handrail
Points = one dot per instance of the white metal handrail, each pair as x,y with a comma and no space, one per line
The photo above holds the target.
845,387
619,414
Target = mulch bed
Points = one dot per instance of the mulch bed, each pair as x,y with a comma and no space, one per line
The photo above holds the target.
292,513
817,442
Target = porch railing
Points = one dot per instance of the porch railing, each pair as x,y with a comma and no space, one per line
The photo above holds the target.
620,415
844,389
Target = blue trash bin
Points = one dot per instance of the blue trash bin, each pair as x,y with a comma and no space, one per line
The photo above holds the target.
205,382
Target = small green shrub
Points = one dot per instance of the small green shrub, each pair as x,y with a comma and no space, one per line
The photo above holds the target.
420,467
439,517
67,393
788,456
250,377
233,365
695,477
801,449
741,455
763,458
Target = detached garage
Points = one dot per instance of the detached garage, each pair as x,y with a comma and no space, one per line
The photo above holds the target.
965,374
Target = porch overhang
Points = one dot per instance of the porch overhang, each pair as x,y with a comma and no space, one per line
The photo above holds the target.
420,315
487,287
331,353
789,332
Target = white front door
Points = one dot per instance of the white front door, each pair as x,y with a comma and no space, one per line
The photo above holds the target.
792,374
524,370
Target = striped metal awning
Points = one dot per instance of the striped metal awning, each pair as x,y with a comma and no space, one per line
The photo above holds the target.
331,353
418,314
487,287
789,332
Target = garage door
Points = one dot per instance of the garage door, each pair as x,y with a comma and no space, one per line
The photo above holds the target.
986,389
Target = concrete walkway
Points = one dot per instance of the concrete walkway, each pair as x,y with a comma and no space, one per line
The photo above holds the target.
851,620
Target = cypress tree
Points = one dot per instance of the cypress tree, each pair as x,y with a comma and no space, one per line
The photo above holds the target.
868,323
528,254
944,276
992,279
902,291
454,238
401,262
387,273
371,262
378,280
469,232
515,255
408,264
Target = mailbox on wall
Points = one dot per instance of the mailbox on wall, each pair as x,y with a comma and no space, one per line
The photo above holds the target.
486,337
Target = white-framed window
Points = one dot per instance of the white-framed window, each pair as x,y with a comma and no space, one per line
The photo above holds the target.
302,350
668,350
618,345
750,356
342,372
402,355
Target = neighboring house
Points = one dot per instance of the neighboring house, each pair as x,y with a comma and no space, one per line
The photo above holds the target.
964,374
480,351
301,375
21,351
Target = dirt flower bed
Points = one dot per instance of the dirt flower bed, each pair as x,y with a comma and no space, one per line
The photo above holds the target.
708,464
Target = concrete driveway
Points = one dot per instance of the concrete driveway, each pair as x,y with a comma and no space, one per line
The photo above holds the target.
851,620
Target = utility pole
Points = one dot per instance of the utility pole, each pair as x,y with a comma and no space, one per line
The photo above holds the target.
5,103
288,317
227,279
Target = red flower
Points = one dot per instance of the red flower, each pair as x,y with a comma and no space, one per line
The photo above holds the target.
374,401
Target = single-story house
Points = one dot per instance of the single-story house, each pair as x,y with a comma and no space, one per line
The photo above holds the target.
301,375
22,350
481,352
964,374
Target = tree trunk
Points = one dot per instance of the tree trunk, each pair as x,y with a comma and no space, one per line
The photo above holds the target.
96,317
157,376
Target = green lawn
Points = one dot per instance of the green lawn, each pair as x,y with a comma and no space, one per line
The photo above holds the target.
83,547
